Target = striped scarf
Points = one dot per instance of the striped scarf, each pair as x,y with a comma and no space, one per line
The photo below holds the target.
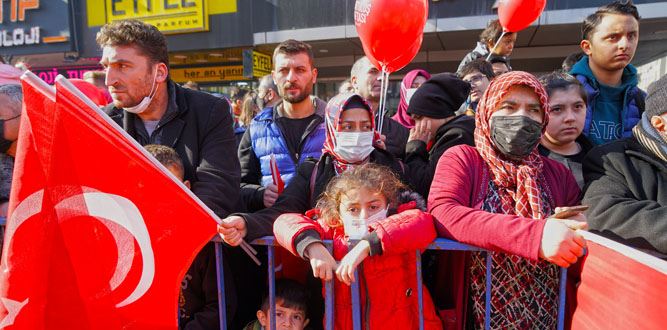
517,181
650,138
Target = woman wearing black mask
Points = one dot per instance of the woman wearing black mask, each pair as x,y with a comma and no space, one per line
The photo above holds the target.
501,196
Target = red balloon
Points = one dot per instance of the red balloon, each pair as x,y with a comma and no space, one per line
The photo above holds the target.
391,31
516,15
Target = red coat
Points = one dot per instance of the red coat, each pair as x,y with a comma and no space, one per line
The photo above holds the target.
458,190
390,277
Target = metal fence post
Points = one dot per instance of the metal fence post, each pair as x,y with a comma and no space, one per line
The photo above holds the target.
562,292
222,303
272,285
329,299
420,289
487,303
356,305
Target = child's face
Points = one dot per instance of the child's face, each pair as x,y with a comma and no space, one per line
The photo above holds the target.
567,116
505,46
361,203
613,42
287,318
178,173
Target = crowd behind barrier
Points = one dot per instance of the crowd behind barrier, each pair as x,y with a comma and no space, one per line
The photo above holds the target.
439,244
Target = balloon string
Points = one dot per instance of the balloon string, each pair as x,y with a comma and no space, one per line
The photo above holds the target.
384,87
496,45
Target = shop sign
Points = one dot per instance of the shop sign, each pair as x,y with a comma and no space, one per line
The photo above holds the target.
256,64
208,74
49,74
169,16
28,26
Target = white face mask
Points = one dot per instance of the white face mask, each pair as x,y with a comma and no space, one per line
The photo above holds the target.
408,94
356,228
143,105
354,147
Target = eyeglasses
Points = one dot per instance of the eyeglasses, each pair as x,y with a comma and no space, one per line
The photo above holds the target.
475,80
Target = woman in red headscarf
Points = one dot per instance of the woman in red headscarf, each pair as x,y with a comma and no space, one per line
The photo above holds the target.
501,196
409,85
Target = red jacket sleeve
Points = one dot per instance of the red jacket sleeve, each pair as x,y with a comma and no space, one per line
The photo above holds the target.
407,231
450,203
290,225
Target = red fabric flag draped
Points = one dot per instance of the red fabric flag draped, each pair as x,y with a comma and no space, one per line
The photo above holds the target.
621,288
99,236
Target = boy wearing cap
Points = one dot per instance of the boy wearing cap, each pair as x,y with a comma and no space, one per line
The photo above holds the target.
437,127
627,181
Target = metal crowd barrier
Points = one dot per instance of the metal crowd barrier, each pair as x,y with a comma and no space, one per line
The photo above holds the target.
439,244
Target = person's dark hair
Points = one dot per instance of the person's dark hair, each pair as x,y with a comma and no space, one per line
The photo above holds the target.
238,94
492,32
481,65
290,294
562,81
617,8
571,60
166,156
145,37
293,47
498,59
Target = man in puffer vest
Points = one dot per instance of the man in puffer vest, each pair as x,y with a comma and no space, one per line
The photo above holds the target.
292,130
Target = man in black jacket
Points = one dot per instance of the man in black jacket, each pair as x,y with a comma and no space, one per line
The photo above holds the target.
437,127
364,77
627,181
155,110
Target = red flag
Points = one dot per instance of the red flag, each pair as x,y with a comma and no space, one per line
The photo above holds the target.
275,174
99,236
621,288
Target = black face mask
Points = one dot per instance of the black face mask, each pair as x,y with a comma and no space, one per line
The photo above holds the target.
515,136
4,144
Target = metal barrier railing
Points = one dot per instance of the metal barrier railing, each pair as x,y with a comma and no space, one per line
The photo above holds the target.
440,244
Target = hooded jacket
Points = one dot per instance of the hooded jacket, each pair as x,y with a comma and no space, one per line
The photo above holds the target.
601,125
389,298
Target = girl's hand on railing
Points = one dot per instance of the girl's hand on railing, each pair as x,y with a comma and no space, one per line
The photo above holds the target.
352,259
560,244
321,261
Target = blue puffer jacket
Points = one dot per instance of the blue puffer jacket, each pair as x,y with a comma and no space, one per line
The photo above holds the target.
631,112
267,139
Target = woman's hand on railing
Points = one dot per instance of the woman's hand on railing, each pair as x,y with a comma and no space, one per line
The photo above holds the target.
351,261
232,230
560,244
323,264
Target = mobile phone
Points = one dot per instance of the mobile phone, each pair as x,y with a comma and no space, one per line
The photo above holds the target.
564,212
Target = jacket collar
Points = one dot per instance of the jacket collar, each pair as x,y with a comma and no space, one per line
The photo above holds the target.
635,149
171,123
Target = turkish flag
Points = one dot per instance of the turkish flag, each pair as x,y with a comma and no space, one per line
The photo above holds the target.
620,288
99,234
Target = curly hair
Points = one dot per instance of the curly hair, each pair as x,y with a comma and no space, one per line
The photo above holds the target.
145,37
373,177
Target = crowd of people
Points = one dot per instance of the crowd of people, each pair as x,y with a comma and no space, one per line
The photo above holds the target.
489,156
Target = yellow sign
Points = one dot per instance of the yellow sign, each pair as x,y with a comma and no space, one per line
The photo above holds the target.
208,74
261,64
169,16
98,10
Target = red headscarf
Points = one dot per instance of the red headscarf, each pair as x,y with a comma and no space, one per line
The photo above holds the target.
517,181
332,115
402,115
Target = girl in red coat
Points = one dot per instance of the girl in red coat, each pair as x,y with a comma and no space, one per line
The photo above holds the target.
353,213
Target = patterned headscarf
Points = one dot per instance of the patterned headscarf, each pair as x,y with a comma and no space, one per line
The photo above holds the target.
517,180
402,116
332,114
